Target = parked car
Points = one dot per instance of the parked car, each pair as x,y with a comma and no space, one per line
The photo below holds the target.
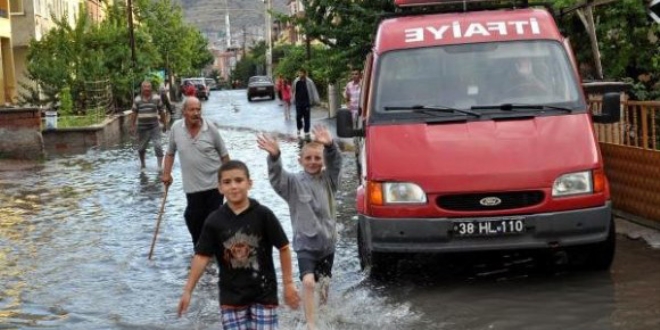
260,86
202,88
213,86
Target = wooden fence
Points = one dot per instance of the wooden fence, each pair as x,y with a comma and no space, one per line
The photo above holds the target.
632,158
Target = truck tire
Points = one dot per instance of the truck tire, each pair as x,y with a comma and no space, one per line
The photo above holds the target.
363,254
379,265
597,256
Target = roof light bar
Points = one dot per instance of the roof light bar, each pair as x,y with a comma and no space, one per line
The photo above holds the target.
420,3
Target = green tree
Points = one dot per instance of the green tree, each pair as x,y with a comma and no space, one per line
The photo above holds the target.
627,40
345,27
627,37
163,21
112,40
295,57
87,52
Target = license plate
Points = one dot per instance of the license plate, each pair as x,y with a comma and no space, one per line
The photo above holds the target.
261,88
499,227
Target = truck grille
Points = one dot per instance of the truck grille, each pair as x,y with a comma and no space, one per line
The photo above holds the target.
475,202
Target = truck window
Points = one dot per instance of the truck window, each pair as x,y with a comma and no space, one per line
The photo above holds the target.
466,75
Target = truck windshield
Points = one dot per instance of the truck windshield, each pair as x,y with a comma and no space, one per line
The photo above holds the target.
478,77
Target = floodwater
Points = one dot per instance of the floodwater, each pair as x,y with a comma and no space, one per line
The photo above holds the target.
75,234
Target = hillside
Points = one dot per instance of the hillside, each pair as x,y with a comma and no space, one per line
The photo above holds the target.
246,18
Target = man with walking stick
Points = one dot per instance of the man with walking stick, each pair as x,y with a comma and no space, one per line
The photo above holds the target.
201,151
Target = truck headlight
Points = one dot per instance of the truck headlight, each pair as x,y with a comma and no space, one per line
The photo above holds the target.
403,193
573,184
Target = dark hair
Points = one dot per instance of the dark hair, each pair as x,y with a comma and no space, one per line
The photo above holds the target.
233,165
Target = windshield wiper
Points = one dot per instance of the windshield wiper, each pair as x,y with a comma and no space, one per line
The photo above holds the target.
433,108
518,106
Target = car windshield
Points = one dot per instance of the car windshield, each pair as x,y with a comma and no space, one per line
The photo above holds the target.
260,79
481,77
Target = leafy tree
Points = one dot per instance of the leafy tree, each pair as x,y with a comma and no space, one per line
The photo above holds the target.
627,37
295,57
72,56
627,40
116,53
345,27
163,21
215,75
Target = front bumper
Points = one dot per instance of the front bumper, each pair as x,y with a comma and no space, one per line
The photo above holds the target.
434,235
254,92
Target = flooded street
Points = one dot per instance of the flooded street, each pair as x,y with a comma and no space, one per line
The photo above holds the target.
75,234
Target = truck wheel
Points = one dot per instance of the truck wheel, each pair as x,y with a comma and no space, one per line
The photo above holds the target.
383,265
363,254
380,265
598,256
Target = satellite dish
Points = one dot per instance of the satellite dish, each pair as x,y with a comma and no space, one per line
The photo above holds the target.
655,10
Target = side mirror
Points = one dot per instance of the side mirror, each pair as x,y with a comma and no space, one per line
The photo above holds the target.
345,123
611,109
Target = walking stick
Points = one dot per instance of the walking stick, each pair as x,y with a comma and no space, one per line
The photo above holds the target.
160,216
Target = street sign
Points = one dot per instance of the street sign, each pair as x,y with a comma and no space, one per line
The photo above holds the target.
654,9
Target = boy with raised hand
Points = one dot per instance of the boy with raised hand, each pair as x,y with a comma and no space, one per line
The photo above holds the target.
241,235
311,198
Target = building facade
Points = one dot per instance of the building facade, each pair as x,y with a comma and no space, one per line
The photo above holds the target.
7,72
31,19
292,33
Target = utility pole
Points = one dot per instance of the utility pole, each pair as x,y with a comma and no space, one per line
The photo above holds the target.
227,24
129,8
268,34
244,40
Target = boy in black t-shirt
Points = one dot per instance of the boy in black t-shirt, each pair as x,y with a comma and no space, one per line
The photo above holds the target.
241,235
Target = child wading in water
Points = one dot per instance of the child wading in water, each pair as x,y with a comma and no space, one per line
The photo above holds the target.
241,235
286,98
311,198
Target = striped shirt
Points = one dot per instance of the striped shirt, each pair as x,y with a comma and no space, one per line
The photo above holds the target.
148,111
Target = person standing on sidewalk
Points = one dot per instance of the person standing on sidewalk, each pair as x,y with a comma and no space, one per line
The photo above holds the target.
310,195
147,113
305,95
352,92
202,152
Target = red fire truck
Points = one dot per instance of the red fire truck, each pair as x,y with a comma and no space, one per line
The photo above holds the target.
474,135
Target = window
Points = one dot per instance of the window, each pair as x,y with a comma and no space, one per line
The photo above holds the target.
16,6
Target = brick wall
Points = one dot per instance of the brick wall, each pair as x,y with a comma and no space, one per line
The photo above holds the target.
20,133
